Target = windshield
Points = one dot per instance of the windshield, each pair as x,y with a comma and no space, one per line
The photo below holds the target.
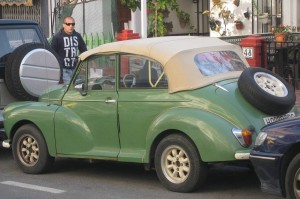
216,62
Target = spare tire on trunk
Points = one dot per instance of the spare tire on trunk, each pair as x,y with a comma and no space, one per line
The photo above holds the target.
30,70
266,91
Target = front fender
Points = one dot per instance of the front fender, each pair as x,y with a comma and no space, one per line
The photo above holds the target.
211,133
38,113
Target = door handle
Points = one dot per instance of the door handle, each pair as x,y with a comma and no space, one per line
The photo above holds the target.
109,100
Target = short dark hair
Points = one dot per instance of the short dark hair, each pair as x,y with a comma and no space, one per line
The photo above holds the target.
67,18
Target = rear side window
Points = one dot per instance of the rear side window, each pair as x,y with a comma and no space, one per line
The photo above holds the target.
18,37
217,62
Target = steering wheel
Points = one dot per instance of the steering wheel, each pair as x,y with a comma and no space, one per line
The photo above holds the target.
130,78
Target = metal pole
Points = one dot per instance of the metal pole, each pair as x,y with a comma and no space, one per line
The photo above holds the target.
83,16
144,18
197,17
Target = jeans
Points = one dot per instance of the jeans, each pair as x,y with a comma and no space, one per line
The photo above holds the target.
67,75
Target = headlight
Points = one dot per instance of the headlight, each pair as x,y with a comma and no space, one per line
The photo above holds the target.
260,138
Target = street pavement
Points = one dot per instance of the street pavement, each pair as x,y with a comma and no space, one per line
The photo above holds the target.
82,179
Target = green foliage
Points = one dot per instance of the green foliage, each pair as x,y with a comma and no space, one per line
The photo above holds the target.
131,4
156,24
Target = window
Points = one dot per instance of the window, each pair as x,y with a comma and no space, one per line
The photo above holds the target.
140,72
100,73
211,63
266,14
18,37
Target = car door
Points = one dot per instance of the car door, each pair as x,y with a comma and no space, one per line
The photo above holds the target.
86,124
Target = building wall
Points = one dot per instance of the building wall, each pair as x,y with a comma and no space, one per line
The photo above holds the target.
39,12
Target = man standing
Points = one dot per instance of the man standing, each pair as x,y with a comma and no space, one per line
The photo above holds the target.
66,44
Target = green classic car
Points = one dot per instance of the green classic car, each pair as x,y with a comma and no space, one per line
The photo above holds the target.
175,104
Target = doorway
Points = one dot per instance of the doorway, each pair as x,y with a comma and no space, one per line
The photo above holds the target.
124,15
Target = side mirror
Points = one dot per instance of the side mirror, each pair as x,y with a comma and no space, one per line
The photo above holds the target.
84,89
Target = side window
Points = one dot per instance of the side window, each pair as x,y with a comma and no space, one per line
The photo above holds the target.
140,72
98,72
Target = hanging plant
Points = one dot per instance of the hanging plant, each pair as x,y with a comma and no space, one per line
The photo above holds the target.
214,25
239,24
247,14
184,18
236,2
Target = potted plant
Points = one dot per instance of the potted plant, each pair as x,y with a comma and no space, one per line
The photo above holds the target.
239,24
184,18
168,26
215,25
281,32
247,14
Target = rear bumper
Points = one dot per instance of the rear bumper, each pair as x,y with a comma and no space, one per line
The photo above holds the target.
267,168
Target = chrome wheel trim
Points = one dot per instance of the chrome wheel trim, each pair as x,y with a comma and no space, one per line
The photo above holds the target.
175,164
296,183
270,84
28,150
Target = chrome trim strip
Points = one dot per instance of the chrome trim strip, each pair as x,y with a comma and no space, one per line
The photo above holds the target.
262,157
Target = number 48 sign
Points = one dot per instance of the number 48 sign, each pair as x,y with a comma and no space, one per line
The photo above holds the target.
248,52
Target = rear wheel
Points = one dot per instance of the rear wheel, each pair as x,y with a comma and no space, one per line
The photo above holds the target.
292,178
30,150
178,165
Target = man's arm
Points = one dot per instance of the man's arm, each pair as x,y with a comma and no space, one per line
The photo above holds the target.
82,46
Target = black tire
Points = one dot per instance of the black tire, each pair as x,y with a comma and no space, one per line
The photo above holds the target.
292,178
30,150
12,70
263,98
193,170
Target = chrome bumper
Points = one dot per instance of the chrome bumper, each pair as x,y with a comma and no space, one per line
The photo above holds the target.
242,156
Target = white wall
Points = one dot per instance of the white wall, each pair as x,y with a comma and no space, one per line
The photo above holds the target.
291,10
237,13
97,17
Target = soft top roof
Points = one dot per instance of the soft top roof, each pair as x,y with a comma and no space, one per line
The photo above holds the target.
176,54
159,48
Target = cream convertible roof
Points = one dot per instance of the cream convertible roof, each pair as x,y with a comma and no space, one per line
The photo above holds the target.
176,54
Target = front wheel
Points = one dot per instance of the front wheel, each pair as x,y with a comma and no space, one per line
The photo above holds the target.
292,178
178,164
30,150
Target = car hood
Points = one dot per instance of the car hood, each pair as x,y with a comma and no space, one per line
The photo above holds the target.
54,94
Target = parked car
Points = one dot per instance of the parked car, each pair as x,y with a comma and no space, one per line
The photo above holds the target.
27,64
276,158
175,104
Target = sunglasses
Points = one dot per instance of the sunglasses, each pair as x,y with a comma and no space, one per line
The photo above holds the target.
68,24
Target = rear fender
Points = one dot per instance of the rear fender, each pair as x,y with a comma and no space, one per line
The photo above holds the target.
210,133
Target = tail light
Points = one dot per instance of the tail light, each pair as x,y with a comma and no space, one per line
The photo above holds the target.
244,136
247,136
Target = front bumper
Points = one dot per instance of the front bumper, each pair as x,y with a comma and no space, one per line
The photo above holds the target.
267,168
2,131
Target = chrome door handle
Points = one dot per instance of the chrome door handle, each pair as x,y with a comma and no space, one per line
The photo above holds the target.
109,100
